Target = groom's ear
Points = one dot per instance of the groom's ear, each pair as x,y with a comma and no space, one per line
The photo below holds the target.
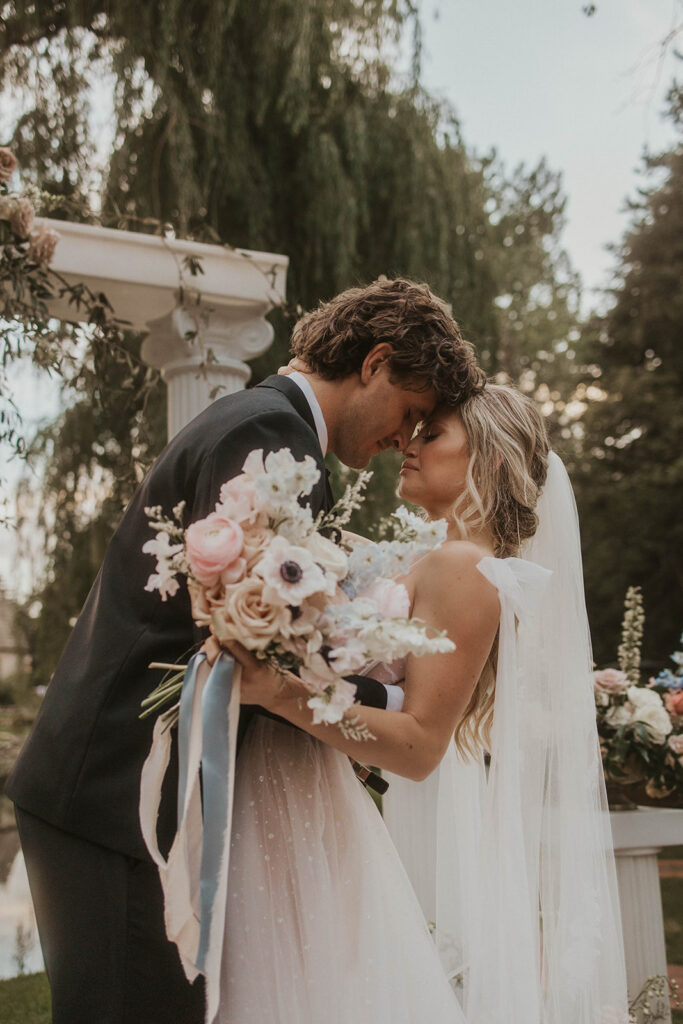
374,360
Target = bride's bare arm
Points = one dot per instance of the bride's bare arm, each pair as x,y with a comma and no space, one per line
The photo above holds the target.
449,593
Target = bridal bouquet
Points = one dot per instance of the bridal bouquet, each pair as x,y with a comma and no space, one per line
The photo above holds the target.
260,570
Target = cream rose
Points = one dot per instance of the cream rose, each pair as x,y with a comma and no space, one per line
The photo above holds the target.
246,617
328,554
656,719
256,541
641,697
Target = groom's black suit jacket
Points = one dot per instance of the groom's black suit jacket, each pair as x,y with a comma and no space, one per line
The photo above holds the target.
80,767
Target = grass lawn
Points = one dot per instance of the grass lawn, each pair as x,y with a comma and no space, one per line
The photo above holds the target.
25,1000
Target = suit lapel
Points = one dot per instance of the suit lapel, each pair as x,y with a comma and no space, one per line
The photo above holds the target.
297,398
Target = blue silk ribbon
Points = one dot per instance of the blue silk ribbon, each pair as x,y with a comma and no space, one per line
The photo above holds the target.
215,768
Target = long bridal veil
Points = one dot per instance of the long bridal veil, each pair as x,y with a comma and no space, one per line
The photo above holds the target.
517,871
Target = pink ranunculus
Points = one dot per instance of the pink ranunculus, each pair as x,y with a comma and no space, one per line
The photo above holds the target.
391,598
213,545
8,163
610,680
43,245
21,219
674,703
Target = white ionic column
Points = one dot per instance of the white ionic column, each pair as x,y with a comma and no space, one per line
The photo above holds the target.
201,355
638,837
643,923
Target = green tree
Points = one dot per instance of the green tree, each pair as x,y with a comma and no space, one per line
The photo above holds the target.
280,125
629,468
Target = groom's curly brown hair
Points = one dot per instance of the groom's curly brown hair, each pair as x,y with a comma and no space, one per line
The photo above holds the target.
428,348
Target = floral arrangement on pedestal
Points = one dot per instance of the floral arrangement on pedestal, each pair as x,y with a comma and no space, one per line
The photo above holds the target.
640,724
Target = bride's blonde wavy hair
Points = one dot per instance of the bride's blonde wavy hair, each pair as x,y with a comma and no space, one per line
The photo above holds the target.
508,447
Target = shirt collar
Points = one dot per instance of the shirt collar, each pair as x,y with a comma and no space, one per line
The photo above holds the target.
300,380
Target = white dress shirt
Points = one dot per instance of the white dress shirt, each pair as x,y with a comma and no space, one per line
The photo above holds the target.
394,693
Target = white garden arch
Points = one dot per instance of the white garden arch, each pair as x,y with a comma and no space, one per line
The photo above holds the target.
201,328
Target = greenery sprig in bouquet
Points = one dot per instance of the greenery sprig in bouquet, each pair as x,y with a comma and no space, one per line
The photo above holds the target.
640,724
260,571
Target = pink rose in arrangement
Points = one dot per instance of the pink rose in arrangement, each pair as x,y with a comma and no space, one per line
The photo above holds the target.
214,546
676,743
674,703
391,598
43,245
8,163
610,680
21,218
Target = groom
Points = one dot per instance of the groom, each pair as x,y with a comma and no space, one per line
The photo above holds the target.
378,360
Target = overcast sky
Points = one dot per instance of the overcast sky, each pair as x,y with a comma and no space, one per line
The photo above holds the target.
538,78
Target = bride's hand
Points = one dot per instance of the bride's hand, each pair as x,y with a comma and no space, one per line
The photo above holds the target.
259,684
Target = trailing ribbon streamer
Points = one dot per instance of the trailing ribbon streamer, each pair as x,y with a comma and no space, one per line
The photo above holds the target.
194,878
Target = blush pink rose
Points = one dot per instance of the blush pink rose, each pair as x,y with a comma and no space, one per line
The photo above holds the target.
674,703
21,220
214,546
391,598
43,245
8,163
610,680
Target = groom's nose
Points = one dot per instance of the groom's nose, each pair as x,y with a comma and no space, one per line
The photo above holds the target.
401,439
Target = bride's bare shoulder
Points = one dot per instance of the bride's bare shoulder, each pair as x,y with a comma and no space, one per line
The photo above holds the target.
450,574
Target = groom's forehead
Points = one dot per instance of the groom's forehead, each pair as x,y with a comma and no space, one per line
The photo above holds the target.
423,402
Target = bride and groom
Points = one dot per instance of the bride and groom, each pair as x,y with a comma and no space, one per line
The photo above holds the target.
323,924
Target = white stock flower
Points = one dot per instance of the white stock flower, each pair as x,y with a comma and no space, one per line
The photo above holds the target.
348,658
253,464
302,476
161,547
164,581
331,707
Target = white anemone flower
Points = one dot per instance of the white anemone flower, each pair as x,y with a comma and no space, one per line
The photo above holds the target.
291,575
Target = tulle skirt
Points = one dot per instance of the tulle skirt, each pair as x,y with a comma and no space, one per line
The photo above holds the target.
322,926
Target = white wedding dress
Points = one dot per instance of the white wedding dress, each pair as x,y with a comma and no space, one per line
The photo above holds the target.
322,924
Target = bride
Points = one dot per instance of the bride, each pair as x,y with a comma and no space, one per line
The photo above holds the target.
517,919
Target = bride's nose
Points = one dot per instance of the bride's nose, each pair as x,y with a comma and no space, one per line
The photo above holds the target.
410,448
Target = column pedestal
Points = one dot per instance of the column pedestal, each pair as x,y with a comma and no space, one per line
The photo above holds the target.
638,837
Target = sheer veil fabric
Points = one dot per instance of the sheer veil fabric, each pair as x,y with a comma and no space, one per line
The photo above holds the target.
517,871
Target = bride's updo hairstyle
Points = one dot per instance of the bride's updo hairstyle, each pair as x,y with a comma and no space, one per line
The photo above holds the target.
508,446
508,464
